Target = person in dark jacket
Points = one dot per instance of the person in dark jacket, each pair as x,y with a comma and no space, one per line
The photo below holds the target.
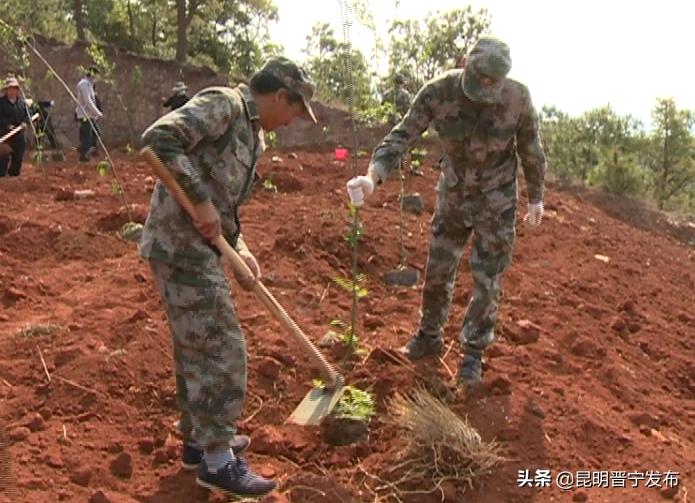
13,112
45,124
178,97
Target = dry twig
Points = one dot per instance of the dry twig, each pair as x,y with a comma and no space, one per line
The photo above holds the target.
43,362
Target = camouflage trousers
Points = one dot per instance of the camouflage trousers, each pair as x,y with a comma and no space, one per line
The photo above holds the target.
490,217
209,351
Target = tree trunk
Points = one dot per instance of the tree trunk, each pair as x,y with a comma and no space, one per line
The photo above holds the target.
664,173
131,24
181,32
79,20
154,31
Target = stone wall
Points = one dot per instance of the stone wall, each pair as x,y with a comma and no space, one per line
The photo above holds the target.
142,97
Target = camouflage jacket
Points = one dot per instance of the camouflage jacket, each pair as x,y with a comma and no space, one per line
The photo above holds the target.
400,98
480,142
210,145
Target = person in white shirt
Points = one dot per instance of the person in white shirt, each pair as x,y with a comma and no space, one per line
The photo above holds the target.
87,112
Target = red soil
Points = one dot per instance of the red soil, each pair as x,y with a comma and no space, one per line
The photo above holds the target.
609,384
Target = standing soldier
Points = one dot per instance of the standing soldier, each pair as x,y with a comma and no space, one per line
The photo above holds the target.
211,146
13,112
45,124
400,99
484,119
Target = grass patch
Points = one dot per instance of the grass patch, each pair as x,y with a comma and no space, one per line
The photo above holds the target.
39,330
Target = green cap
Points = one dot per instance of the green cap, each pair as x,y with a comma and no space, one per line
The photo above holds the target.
489,57
293,77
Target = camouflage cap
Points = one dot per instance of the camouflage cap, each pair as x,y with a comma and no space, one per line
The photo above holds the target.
293,77
490,58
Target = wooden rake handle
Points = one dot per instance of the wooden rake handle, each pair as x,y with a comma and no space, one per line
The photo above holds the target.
330,376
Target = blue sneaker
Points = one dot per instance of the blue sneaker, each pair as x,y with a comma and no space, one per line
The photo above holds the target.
235,479
192,455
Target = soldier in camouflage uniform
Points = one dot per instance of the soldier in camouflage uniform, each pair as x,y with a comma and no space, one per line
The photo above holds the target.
211,146
399,97
483,119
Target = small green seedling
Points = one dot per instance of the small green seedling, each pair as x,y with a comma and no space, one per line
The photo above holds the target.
103,168
269,186
355,404
116,188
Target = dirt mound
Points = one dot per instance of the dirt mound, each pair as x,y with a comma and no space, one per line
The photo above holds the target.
593,369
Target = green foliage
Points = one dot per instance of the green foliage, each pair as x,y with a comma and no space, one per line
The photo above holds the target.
116,188
131,231
98,57
269,186
226,34
562,147
38,155
355,404
418,154
577,146
671,153
351,286
15,53
327,64
356,230
233,36
357,289
603,148
137,77
417,157
271,139
376,114
420,49
103,168
619,174
345,334
47,17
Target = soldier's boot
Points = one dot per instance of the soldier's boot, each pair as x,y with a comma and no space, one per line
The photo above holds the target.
471,369
421,345
235,479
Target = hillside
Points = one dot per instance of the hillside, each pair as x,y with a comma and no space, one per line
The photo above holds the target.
609,385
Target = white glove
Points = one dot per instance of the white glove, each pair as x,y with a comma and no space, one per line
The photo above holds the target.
535,214
358,188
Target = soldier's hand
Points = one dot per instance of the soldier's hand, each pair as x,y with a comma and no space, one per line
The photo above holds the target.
535,214
208,220
359,188
248,282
